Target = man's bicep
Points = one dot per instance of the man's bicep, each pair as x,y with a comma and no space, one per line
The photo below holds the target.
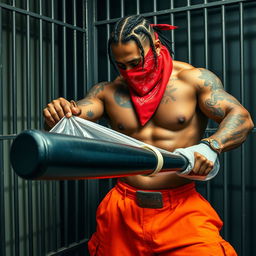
92,106
214,101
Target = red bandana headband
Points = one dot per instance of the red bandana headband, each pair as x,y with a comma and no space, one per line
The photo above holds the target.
147,83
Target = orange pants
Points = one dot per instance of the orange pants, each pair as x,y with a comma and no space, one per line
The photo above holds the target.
186,225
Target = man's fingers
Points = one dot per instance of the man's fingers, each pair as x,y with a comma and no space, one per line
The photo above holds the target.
202,166
48,118
74,108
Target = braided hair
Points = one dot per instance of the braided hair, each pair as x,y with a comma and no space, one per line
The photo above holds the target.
138,29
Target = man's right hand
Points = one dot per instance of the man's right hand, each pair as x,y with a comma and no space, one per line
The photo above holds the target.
59,108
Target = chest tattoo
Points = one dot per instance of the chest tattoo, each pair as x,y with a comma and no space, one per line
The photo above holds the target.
122,97
169,91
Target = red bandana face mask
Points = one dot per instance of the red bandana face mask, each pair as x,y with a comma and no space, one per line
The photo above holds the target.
147,83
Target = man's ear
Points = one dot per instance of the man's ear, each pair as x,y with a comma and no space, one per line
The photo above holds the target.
157,46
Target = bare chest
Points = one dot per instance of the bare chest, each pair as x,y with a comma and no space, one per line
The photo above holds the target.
175,111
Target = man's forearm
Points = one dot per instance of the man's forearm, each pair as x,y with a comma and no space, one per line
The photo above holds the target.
233,130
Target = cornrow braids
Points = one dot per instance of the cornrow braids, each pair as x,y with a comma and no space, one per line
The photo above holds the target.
135,28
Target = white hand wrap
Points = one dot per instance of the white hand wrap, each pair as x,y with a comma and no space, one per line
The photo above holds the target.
204,150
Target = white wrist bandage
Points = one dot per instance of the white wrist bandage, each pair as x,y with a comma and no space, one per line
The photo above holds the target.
204,150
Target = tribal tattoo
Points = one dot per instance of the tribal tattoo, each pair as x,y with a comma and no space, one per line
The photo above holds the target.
96,89
168,95
217,93
122,97
231,128
93,92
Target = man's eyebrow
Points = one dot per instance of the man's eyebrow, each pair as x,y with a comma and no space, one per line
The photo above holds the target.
130,61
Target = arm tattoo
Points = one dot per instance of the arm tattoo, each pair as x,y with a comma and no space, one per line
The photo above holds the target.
90,114
122,97
231,128
168,95
96,89
217,93
84,102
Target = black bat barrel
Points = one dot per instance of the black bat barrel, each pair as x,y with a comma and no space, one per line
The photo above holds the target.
43,155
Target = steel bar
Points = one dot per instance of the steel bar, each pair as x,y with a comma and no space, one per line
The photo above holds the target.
14,129
189,31
64,50
242,88
74,50
40,17
82,158
224,80
29,88
2,200
40,121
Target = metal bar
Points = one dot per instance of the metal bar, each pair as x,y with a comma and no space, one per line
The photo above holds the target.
75,50
206,36
224,80
108,33
2,201
66,219
208,184
122,8
243,206
172,31
7,137
64,49
53,89
138,6
154,9
28,87
40,17
84,47
189,31
180,9
53,236
41,95
14,127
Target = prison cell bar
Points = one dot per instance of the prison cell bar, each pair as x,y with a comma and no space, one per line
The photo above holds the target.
2,201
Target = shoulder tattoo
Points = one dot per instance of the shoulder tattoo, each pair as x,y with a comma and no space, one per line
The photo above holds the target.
217,93
122,97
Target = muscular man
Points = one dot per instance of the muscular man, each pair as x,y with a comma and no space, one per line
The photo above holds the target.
164,103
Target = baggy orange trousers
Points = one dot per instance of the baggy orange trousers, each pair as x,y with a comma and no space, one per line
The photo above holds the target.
186,225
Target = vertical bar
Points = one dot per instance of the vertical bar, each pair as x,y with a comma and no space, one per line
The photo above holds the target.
172,31
2,211
28,88
41,186
85,25
206,36
64,35
224,80
52,53
64,52
84,47
243,215
108,33
14,125
138,6
154,7
54,234
206,43
189,32
122,8
75,49
66,209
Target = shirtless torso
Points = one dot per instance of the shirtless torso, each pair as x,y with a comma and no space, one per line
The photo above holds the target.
191,97
178,121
